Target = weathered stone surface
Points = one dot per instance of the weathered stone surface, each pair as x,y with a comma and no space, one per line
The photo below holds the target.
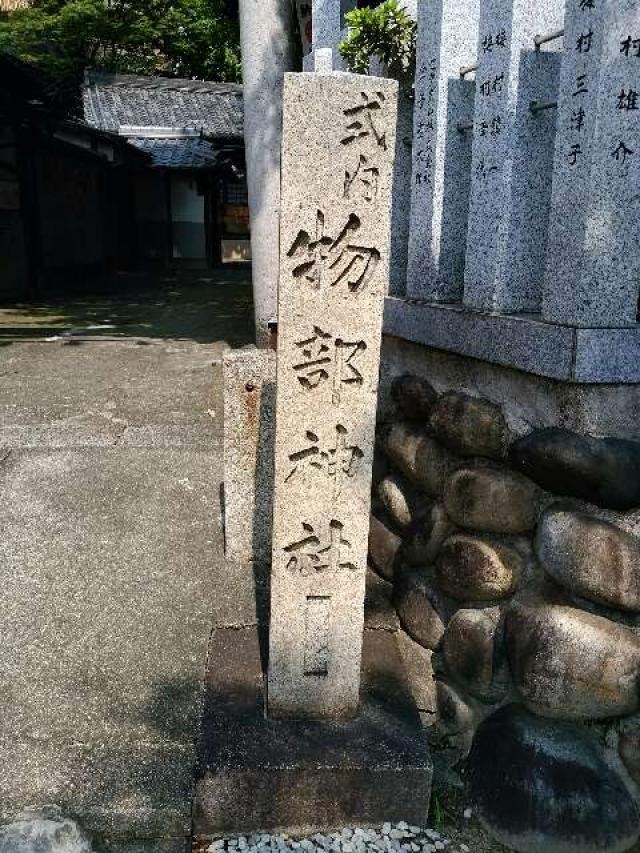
424,461
570,664
326,24
400,441
629,750
540,786
447,36
401,195
414,397
421,610
329,335
267,52
425,539
401,500
452,735
384,546
469,647
257,774
249,400
493,499
43,830
604,471
474,568
454,714
591,358
469,425
512,155
380,466
595,275
569,204
379,611
419,671
590,557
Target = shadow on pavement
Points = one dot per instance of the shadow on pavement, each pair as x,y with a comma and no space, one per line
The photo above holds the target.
204,306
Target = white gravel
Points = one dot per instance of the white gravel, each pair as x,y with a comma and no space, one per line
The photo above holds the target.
389,838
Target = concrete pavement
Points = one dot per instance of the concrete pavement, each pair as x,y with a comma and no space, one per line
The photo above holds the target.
110,555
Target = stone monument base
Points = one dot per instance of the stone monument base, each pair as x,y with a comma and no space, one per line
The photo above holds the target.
260,774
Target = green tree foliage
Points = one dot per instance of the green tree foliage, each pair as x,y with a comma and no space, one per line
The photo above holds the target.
174,38
386,32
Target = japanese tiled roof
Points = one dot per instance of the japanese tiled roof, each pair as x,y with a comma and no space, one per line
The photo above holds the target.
111,101
187,153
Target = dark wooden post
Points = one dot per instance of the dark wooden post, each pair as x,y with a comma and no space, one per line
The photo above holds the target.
27,169
167,185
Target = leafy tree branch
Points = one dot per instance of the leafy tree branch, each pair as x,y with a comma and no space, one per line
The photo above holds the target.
386,32
174,38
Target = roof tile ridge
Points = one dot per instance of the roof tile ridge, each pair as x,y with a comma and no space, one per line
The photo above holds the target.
95,77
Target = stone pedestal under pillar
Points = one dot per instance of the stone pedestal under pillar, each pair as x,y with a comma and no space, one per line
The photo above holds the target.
259,774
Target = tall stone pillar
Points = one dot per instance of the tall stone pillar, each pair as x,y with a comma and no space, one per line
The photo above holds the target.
326,26
512,155
265,35
447,40
326,23
338,150
593,266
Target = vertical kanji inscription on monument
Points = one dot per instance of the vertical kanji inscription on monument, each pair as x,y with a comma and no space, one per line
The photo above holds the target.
337,159
512,155
593,271
576,122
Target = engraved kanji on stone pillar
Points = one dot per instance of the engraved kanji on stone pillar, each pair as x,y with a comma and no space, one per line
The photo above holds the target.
447,40
512,155
337,164
593,264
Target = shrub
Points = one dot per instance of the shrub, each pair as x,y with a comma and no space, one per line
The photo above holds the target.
386,32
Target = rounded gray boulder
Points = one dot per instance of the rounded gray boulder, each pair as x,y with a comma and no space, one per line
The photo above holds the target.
452,735
419,457
591,557
43,830
604,471
414,397
472,653
540,786
425,538
421,610
469,425
493,499
474,568
401,501
384,548
570,664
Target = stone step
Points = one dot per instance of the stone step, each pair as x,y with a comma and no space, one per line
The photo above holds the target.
258,774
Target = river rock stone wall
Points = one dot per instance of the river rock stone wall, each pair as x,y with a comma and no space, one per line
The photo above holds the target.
515,564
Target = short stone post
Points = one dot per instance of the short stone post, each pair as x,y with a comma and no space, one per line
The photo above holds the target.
512,156
325,23
326,26
249,412
447,40
338,144
266,55
593,263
